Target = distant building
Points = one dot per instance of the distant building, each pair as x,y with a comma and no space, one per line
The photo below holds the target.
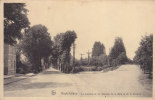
9,59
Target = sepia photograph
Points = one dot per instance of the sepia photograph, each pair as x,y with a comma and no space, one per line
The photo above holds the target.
72,48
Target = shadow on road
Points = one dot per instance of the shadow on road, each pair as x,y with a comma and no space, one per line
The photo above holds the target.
35,85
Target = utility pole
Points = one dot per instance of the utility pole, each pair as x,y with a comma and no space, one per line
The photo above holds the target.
88,57
108,57
74,54
81,57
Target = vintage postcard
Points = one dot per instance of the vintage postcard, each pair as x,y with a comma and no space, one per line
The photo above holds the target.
77,49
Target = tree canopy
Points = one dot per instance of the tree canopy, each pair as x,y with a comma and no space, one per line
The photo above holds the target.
118,48
118,53
144,54
62,44
98,49
15,19
36,44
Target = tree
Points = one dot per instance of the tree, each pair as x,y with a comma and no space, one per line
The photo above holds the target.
103,60
63,42
118,53
55,55
15,19
122,58
36,45
98,49
118,48
98,54
144,54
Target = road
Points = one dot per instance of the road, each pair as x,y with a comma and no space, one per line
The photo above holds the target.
127,80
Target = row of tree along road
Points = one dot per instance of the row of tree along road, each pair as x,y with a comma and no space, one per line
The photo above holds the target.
40,51
144,54
36,50
99,60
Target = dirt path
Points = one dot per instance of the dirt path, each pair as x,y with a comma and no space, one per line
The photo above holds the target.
123,81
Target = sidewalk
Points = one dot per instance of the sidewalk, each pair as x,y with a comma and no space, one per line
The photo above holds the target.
14,78
17,77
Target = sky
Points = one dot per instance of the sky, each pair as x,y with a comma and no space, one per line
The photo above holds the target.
96,21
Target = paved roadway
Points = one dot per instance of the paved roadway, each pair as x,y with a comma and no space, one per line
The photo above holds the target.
124,81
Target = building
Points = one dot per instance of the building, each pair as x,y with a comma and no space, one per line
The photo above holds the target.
9,59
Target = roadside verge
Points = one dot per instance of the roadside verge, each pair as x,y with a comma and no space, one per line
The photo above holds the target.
17,77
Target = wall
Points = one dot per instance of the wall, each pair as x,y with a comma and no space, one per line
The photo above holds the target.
9,59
